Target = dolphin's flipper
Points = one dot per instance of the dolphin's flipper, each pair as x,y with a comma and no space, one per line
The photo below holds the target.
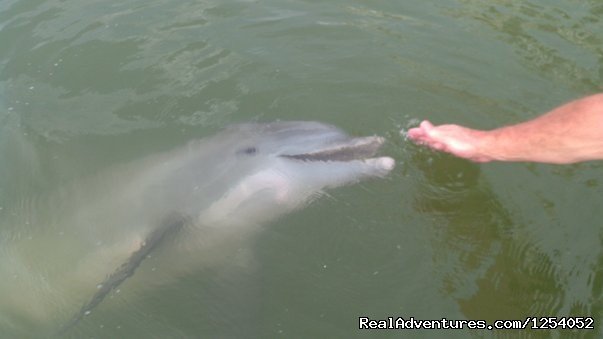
170,225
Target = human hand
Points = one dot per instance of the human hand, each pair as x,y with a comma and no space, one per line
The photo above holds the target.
454,139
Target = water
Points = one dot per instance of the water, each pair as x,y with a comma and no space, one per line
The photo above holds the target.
85,85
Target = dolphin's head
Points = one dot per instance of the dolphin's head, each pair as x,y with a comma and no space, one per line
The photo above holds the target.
315,151
279,166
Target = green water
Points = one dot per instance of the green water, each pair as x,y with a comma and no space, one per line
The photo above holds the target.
85,85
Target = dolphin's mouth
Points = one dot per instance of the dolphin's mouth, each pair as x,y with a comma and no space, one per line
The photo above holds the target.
352,149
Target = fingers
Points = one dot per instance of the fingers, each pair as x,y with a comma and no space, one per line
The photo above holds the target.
420,133
453,139
437,146
426,125
427,134
415,133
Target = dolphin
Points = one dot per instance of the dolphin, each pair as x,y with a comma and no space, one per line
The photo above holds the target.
61,254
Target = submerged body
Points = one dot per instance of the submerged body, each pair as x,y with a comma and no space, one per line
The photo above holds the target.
57,251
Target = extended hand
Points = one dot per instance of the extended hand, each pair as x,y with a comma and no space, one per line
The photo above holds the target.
457,140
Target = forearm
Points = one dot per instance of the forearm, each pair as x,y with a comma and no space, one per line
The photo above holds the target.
570,133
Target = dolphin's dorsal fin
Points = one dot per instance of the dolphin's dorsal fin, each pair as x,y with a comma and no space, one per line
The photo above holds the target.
170,225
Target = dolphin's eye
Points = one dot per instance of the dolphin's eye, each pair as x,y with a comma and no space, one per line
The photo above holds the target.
248,150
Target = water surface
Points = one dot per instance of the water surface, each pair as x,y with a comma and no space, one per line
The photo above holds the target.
85,85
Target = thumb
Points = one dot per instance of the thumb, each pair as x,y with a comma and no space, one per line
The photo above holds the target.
426,125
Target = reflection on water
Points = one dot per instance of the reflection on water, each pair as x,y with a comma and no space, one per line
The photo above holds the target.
561,41
490,262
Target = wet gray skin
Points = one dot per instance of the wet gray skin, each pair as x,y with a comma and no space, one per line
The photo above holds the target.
90,236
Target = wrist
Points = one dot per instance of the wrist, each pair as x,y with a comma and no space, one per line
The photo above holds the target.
497,145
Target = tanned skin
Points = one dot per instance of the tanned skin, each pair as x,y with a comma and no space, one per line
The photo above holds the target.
568,134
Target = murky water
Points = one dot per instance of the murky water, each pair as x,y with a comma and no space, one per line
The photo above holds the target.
86,85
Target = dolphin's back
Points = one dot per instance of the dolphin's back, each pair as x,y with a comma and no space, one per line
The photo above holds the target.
172,224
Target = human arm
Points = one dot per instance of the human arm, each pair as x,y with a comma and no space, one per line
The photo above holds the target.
570,133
